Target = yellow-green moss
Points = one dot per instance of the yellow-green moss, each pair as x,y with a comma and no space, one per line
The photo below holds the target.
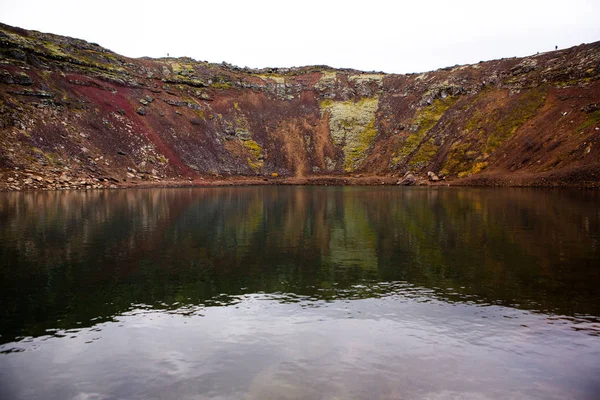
327,80
476,168
425,153
367,78
326,103
179,68
90,58
358,152
492,129
459,159
241,122
53,49
573,82
425,119
352,127
592,119
463,160
307,141
221,85
256,165
200,113
275,78
184,80
84,59
53,159
255,150
526,108
475,121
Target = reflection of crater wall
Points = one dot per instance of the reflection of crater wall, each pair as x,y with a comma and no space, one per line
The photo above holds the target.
69,257
513,246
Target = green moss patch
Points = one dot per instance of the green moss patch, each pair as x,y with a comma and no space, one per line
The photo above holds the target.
352,127
592,119
460,158
221,85
417,148
255,162
507,125
488,132
425,153
357,152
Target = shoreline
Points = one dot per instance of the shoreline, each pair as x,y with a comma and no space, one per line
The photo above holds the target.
28,181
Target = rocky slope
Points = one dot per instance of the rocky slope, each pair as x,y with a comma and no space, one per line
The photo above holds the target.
75,115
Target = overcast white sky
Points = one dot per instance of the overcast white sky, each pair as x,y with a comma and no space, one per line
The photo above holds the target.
390,36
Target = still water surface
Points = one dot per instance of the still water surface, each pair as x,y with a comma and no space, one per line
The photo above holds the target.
300,293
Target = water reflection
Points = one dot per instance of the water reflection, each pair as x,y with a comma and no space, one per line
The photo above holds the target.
300,292
75,259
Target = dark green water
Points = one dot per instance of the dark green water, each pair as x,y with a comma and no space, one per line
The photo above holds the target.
300,293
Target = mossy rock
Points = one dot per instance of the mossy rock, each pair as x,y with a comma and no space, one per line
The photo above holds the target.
352,127
418,149
256,160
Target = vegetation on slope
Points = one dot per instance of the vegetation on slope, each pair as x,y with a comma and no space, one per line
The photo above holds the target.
76,115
